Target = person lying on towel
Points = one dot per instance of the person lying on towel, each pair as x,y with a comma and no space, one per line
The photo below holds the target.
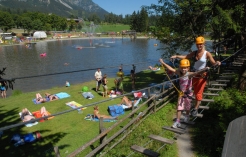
97,115
127,103
52,97
26,115
39,98
154,68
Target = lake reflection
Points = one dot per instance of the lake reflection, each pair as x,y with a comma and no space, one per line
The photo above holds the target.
79,54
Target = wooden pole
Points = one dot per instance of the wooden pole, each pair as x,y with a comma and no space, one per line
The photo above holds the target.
57,153
102,129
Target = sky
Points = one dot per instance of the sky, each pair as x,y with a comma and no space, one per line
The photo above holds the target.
123,6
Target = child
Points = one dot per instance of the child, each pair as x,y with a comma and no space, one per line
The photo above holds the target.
67,84
3,89
185,83
105,87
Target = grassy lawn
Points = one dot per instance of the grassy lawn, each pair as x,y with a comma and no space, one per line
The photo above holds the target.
114,28
101,28
69,131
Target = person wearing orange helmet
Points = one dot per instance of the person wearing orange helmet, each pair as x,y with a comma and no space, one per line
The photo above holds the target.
201,55
185,84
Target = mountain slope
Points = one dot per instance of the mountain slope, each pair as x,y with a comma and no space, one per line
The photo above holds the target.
80,8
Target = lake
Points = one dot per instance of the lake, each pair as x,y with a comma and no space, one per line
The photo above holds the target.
74,60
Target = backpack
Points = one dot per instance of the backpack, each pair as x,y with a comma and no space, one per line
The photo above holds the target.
115,110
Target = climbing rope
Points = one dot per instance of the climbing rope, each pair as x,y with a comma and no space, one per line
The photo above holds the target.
181,93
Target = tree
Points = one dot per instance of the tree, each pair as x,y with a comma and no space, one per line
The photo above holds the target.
94,18
143,21
180,22
27,24
6,21
134,21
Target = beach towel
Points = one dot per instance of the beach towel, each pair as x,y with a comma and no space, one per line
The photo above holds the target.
62,95
88,95
90,117
74,105
28,124
37,114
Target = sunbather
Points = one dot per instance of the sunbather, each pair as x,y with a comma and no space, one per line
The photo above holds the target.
97,115
127,102
26,115
43,112
39,98
154,68
52,97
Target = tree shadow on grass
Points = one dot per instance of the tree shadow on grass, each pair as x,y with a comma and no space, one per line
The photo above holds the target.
41,147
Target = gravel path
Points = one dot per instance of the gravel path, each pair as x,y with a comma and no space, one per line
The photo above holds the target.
185,145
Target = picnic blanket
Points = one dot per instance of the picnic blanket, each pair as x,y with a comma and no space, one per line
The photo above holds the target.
74,105
90,117
60,95
29,124
88,95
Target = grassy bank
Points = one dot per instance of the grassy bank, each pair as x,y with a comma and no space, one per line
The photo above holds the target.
69,131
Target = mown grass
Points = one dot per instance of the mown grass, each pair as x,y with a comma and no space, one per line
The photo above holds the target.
99,29
69,131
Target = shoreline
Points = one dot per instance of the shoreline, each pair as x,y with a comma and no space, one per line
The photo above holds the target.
49,39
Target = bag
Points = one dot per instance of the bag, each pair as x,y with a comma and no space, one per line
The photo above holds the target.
138,94
115,110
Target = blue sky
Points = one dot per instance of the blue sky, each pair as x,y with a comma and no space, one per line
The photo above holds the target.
123,6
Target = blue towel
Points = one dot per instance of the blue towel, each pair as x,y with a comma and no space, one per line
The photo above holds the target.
62,95
35,102
91,118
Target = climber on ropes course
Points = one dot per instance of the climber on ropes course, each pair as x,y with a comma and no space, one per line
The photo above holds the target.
200,57
185,91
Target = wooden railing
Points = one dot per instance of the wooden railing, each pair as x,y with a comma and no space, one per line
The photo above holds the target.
153,103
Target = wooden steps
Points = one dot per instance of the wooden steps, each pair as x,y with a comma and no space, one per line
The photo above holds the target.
178,131
219,84
161,139
199,115
204,107
227,73
182,121
215,89
206,100
210,94
222,80
226,76
145,151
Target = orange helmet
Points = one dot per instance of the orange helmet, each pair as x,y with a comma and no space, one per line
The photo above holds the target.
200,40
184,63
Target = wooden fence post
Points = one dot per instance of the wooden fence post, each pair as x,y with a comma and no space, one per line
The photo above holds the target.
102,129
57,153
154,109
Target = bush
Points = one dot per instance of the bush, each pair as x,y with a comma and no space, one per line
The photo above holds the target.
209,133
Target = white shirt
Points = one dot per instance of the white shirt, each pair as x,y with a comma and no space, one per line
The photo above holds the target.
201,63
98,75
